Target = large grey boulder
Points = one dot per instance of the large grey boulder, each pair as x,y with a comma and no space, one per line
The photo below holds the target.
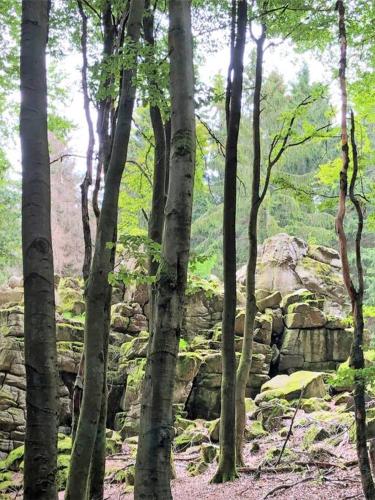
314,349
287,263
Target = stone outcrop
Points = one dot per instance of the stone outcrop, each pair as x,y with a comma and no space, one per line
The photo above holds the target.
299,287
287,263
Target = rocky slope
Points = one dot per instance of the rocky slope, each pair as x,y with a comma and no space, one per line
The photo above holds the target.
300,325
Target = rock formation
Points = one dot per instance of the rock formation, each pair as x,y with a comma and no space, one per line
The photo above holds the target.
300,325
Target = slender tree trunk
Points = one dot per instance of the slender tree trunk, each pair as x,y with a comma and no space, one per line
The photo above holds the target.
355,294
98,289
40,334
156,221
87,181
153,471
227,461
251,308
104,108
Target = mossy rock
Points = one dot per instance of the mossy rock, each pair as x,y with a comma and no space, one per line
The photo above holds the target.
313,404
272,456
70,294
6,483
214,430
208,453
189,438
182,424
14,459
63,462
272,414
290,387
255,431
313,435
194,469
113,442
250,405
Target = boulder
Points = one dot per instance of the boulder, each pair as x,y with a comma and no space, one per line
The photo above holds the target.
325,255
311,384
302,315
317,349
270,301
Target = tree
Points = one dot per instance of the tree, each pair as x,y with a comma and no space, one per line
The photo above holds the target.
40,336
256,200
153,471
355,293
227,462
89,444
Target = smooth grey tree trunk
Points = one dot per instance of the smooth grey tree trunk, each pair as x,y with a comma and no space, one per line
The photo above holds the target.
153,464
98,289
40,334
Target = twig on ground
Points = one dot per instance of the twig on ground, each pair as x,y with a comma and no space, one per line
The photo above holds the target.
290,427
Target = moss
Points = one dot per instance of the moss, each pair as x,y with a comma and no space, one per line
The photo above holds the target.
313,404
214,430
14,459
194,469
66,345
255,430
250,405
289,388
113,442
313,435
272,455
189,438
208,453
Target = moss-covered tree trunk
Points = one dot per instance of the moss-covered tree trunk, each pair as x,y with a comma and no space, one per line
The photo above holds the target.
251,308
98,289
40,334
153,470
227,461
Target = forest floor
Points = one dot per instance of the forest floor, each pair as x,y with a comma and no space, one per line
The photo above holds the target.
327,474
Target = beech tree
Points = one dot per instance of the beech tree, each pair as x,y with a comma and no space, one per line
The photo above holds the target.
227,462
89,444
153,464
40,335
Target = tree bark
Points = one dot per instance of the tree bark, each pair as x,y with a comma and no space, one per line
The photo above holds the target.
153,471
98,298
104,108
227,461
156,220
40,334
87,181
250,308
355,294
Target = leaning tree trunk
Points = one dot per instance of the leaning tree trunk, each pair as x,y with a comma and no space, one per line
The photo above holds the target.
227,461
98,289
355,294
153,471
251,308
40,334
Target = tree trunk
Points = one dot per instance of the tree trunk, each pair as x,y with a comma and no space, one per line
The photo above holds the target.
355,294
153,471
98,289
104,108
227,462
87,181
251,308
156,221
40,334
